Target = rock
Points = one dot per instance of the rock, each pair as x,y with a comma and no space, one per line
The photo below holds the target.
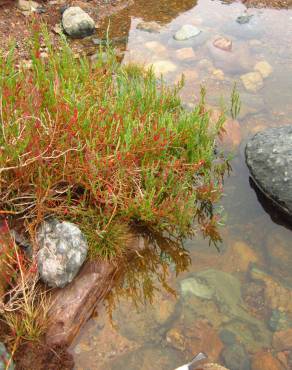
237,60
243,255
185,53
5,358
27,6
253,293
162,67
149,357
152,27
265,360
230,313
176,339
276,295
252,81
202,337
279,255
77,23
186,32
223,43
269,158
282,340
264,68
218,74
62,251
279,320
195,287
73,305
155,46
148,323
235,357
227,337
243,19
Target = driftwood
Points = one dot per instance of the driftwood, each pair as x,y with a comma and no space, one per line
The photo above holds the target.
73,305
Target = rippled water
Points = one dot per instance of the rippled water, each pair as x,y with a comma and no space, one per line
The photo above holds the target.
227,304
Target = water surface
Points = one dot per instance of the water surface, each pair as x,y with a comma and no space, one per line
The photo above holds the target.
228,302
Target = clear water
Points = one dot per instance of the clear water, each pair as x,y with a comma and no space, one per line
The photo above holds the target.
230,301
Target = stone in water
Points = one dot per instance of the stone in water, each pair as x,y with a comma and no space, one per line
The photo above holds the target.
264,68
269,159
186,32
252,81
223,44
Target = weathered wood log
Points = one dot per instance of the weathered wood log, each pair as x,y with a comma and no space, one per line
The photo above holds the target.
73,305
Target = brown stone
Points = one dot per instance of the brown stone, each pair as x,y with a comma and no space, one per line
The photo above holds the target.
203,338
223,43
282,340
265,360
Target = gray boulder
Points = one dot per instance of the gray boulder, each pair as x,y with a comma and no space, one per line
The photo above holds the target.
4,359
269,158
77,23
63,249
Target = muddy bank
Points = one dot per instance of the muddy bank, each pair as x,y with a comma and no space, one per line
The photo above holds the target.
17,23
265,3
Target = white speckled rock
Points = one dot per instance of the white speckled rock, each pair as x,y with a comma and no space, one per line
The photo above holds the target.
77,23
63,249
186,32
269,158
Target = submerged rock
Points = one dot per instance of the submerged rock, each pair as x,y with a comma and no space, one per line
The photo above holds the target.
235,357
264,68
152,27
269,158
237,60
77,23
5,358
223,43
185,53
280,320
265,360
147,323
149,357
223,290
186,32
162,67
243,19
282,340
63,249
252,81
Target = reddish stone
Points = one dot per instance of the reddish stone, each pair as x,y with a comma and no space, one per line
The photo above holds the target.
204,338
223,44
282,340
265,360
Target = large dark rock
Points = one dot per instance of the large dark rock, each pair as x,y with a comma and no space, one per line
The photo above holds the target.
269,158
